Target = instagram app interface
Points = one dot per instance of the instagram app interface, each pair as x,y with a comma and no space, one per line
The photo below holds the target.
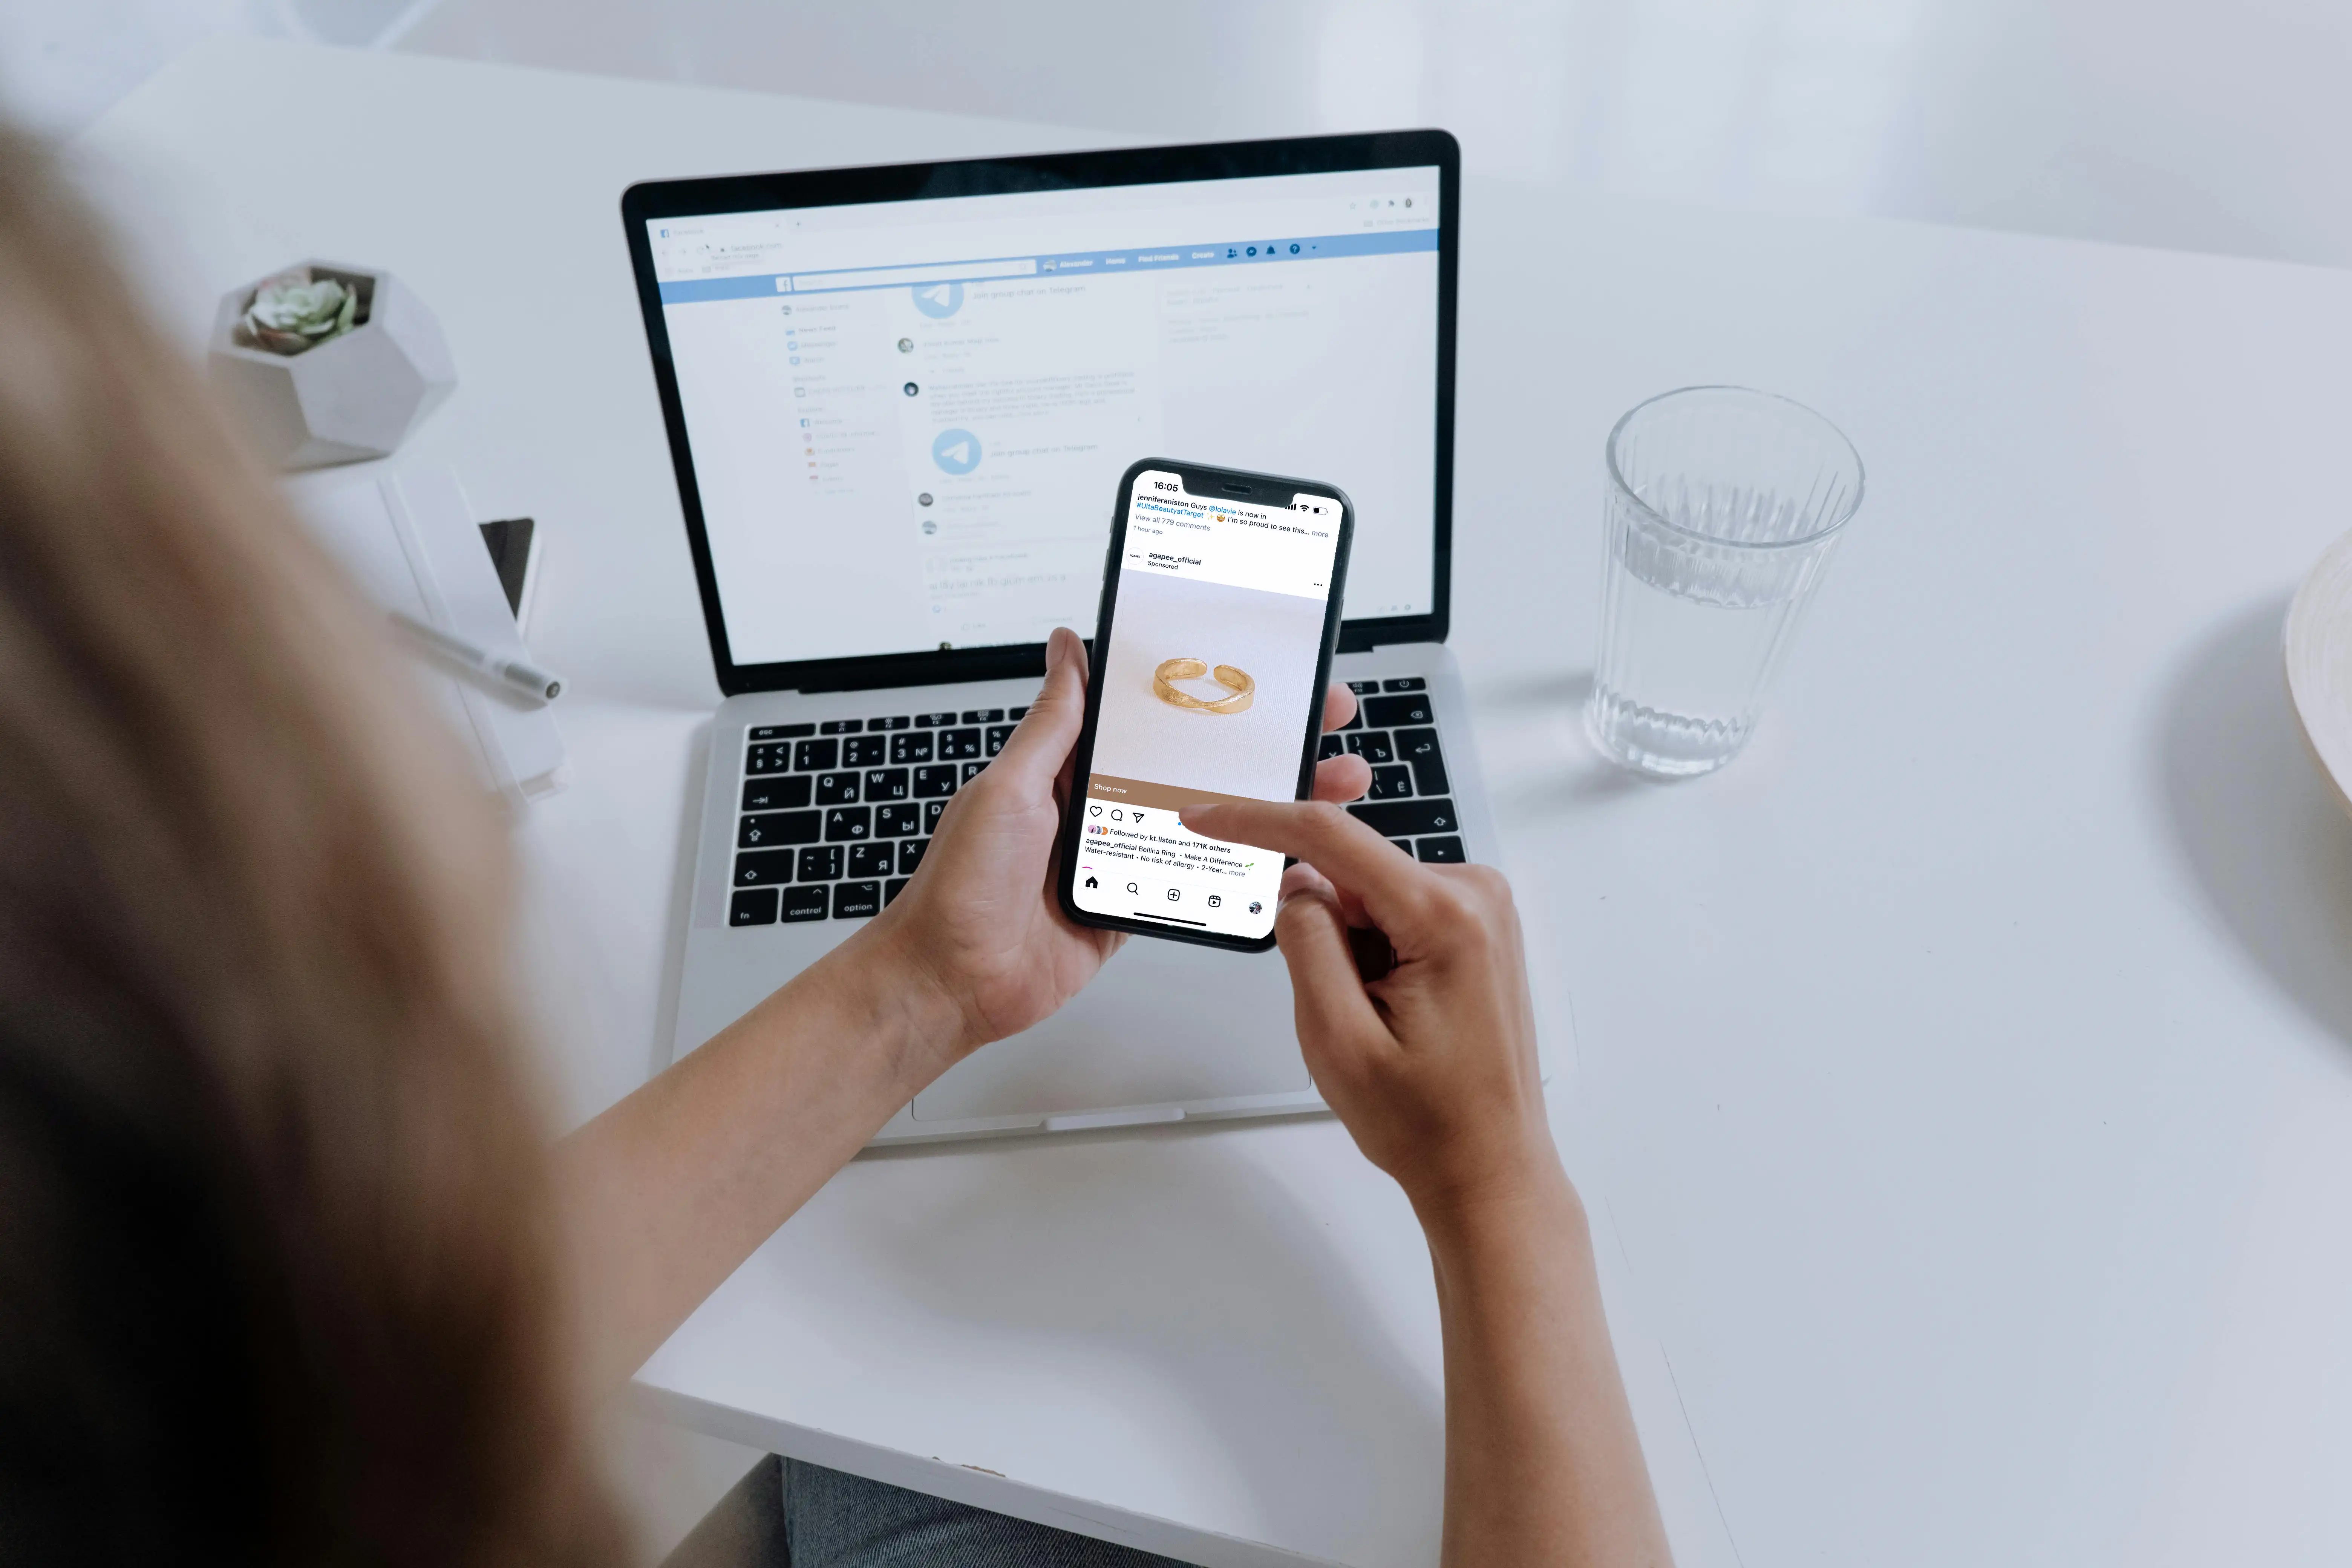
1208,686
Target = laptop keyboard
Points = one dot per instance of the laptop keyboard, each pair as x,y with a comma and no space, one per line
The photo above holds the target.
836,816
1411,803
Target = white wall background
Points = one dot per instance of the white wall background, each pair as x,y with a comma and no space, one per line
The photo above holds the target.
2220,125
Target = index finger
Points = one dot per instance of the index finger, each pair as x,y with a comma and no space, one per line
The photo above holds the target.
1392,886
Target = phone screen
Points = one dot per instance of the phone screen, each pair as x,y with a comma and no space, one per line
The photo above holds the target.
1208,687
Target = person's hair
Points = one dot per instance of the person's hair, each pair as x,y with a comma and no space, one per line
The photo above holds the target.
276,1255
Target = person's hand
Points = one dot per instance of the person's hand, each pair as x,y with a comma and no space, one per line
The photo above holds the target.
979,928
1411,1003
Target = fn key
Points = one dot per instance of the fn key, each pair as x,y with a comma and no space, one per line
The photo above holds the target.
752,907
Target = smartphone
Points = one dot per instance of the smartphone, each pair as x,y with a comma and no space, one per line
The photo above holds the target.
1220,612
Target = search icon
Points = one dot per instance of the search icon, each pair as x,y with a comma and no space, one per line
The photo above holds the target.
1131,886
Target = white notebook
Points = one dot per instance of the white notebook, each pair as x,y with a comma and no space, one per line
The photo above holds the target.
412,542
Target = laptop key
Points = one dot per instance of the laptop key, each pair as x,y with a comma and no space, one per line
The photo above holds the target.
752,907
776,828
1390,784
997,735
932,720
886,783
1329,746
932,812
767,732
971,770
910,855
864,750
1016,714
900,722
898,821
855,900
816,756
807,903
872,860
761,868
1418,747
819,863
956,745
1361,686
910,748
891,889
836,789
772,758
762,829
848,822
1405,683
841,726
1442,851
1388,712
1407,818
939,779
780,791
982,715
1372,745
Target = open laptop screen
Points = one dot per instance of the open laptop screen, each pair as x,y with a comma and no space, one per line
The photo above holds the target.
907,418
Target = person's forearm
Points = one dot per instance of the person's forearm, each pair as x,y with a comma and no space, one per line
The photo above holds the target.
666,1194
1542,1462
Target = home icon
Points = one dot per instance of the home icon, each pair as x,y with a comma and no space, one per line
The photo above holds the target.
1092,883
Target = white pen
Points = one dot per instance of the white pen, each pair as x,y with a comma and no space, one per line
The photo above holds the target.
512,673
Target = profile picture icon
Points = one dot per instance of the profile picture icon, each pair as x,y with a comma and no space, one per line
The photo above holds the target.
911,389
923,499
1255,906
906,345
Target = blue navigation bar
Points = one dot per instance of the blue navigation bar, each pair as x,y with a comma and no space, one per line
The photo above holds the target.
1026,268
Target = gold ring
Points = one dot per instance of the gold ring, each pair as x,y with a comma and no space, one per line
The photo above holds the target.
1237,682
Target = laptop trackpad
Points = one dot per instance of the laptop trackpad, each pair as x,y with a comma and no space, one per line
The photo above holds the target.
1164,1023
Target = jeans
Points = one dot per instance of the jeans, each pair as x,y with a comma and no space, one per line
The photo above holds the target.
788,1514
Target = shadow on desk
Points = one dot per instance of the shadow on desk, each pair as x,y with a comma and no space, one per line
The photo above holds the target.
2256,821
1165,1261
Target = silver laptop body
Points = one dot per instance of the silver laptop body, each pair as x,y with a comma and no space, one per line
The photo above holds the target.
825,769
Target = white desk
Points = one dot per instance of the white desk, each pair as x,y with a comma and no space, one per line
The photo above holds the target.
1964,1076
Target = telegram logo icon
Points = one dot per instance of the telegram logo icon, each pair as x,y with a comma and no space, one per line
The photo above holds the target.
956,451
939,301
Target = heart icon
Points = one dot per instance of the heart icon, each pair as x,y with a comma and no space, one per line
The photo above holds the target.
1093,811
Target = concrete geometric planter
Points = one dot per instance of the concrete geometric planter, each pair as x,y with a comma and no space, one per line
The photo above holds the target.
350,398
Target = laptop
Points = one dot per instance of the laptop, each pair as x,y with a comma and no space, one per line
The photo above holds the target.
899,401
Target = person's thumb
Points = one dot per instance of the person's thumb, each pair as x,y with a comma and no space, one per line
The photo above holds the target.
1041,743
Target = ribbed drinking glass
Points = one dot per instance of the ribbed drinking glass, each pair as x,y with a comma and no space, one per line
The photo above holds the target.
1724,506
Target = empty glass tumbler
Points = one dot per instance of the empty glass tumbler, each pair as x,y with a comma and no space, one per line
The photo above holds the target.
1724,506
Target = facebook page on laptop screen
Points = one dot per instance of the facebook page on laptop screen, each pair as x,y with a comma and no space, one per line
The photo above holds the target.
908,419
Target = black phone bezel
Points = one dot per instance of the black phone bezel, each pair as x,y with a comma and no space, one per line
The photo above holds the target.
984,176
1200,478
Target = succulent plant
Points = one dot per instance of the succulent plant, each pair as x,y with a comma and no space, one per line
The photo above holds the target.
292,313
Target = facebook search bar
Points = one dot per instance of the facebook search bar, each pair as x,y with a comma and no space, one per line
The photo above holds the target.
887,276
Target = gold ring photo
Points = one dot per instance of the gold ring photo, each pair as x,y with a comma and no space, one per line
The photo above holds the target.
1237,682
